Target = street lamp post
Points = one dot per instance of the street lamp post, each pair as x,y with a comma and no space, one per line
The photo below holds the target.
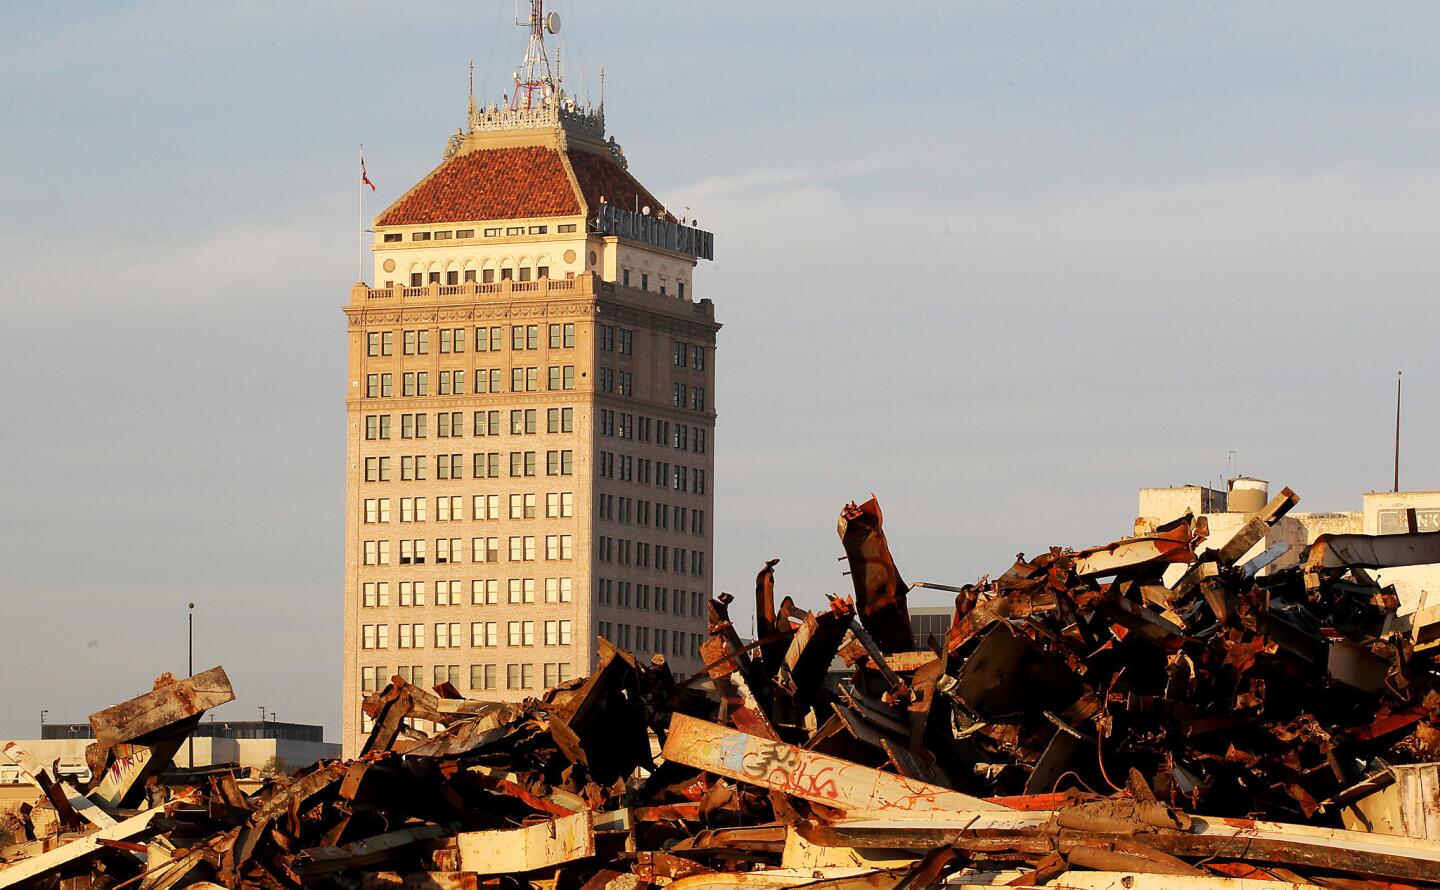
190,665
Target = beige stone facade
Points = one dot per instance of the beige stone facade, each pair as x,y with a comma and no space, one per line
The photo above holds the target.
530,414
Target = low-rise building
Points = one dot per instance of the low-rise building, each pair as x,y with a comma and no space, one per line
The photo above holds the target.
261,745
1225,511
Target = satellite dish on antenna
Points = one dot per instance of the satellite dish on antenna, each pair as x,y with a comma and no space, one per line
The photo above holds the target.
552,22
645,210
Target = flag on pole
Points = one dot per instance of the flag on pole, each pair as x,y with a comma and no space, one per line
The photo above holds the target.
364,177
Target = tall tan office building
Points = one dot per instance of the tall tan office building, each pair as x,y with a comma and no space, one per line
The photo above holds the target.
530,412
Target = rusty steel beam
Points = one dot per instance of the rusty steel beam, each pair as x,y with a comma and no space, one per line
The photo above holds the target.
879,589
812,650
162,707
744,710
1255,529
1129,554
366,851
1372,551
765,604
805,774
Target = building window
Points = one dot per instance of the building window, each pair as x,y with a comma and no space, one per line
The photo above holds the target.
375,594
485,549
486,465
482,676
412,593
412,551
377,426
559,463
487,339
380,343
522,506
484,592
487,423
559,504
520,633
522,548
559,547
485,506
557,590
522,591
557,633
560,420
519,676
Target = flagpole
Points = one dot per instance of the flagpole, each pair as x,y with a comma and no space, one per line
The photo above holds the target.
360,186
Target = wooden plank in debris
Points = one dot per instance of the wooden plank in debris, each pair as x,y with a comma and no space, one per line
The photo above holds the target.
162,707
806,774
20,873
515,850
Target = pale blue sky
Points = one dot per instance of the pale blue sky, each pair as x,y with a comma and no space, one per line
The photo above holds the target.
999,263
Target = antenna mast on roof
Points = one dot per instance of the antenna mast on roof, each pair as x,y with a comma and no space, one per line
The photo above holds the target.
535,84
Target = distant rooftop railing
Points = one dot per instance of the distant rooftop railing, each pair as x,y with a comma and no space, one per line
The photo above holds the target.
476,290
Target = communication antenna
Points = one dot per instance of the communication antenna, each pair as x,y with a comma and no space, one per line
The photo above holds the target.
535,83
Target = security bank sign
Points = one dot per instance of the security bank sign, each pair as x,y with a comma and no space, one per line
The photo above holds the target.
668,235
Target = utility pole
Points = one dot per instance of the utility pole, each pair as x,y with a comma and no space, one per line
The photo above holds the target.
1396,487
190,667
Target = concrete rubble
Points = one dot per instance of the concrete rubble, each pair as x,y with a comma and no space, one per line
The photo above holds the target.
1083,723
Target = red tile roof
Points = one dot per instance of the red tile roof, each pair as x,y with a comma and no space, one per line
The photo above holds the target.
599,175
497,183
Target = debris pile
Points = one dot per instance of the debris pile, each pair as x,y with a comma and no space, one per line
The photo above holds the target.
1075,715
